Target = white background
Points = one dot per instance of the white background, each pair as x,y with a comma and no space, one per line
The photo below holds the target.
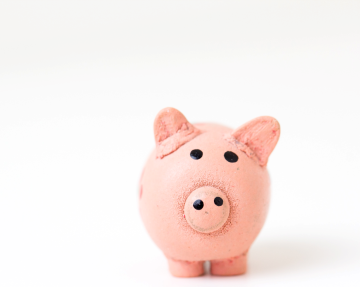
80,85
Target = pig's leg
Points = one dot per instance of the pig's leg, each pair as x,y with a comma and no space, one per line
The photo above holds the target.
230,266
179,268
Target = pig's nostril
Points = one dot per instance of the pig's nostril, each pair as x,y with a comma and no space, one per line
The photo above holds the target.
218,201
198,204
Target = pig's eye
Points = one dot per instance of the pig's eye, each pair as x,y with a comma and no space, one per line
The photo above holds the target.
231,157
196,154
198,204
218,201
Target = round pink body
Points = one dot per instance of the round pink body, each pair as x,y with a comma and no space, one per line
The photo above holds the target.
198,204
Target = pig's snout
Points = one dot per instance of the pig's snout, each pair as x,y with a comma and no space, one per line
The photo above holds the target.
207,209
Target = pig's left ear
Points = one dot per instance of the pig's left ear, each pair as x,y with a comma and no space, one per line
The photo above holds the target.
172,130
257,138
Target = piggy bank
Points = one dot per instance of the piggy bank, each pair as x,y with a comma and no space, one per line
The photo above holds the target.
204,191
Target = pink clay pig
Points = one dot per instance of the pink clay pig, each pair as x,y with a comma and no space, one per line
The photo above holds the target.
204,192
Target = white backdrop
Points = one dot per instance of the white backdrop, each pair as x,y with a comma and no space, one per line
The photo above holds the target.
80,85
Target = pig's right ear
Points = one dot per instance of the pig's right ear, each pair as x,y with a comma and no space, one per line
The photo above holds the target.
257,138
172,130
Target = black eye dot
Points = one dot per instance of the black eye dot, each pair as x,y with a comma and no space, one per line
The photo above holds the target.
198,204
196,154
218,201
231,157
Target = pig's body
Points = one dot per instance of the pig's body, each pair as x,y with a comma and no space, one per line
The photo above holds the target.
169,186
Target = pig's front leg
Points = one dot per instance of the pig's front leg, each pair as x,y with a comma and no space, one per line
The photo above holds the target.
179,268
230,266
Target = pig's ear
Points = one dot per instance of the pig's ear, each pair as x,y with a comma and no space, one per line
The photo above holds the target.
172,130
257,138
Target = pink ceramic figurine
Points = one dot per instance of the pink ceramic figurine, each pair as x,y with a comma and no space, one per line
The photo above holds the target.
204,192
